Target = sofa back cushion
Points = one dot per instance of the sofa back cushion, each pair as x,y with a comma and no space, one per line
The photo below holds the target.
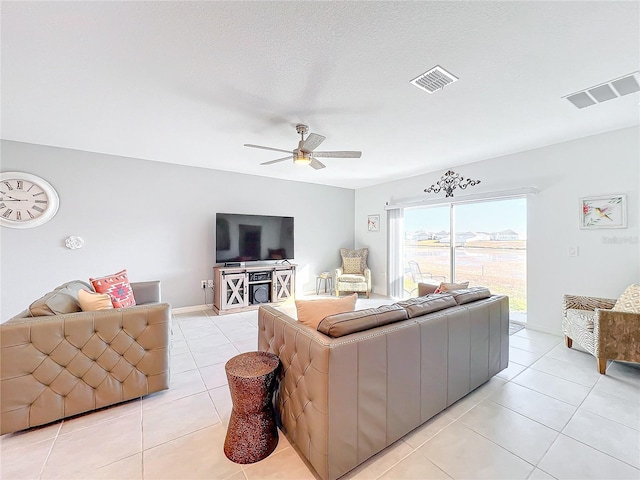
311,312
63,299
433,302
341,324
467,295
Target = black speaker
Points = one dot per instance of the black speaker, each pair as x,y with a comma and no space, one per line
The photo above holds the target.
259,293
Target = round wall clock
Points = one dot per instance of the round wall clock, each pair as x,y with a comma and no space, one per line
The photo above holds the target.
26,200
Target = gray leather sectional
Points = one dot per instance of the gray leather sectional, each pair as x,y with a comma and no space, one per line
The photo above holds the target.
344,398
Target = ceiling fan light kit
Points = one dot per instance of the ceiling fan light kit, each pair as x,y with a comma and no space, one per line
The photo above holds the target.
302,159
305,154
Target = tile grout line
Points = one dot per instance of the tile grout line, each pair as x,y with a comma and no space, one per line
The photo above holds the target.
55,439
487,398
558,433
586,444
561,432
142,426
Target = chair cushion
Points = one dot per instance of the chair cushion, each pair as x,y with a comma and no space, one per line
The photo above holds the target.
360,254
629,301
311,312
581,318
350,278
342,324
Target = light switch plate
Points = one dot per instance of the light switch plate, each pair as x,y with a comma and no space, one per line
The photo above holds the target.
573,251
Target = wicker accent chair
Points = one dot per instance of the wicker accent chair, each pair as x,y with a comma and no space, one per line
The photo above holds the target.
605,333
354,274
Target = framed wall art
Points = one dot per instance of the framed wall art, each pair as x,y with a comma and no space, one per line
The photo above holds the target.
607,211
373,223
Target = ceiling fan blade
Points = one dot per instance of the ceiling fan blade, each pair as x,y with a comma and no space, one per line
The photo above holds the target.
277,160
312,142
345,154
316,164
267,148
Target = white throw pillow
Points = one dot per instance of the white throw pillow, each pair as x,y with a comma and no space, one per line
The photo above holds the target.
629,301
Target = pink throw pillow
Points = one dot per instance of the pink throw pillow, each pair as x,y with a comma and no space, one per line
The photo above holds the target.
116,285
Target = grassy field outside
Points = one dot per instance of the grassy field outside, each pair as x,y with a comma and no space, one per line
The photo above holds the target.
499,265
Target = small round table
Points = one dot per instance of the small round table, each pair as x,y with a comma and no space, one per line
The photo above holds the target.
252,433
328,282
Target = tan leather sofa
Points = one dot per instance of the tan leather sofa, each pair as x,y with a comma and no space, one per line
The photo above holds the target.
341,400
61,364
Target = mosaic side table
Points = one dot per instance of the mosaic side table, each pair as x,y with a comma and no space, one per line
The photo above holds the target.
252,433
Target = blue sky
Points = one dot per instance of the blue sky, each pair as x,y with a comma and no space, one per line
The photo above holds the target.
492,216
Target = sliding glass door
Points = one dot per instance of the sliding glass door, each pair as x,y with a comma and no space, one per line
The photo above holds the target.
427,252
484,243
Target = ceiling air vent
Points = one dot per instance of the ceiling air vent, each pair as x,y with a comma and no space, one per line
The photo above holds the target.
605,91
435,79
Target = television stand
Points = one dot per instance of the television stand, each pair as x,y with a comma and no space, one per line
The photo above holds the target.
243,288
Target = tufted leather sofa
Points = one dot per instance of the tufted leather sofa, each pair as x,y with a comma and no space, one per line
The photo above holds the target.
59,365
342,400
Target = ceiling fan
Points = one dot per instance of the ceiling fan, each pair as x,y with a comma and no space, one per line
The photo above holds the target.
305,154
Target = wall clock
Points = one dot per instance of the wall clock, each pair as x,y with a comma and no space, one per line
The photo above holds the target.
26,200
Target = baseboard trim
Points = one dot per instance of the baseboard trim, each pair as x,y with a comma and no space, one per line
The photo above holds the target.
540,328
193,308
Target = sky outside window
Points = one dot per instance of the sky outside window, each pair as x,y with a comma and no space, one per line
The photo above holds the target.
493,216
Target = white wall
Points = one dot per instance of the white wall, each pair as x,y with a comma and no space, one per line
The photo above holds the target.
156,220
597,165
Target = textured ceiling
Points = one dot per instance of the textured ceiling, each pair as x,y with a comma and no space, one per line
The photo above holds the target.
191,82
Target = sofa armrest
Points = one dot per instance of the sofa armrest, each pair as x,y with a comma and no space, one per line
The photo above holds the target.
617,335
146,292
579,302
367,276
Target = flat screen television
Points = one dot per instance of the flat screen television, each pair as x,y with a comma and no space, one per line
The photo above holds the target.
253,238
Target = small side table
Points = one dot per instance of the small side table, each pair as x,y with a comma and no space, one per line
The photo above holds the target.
252,433
328,282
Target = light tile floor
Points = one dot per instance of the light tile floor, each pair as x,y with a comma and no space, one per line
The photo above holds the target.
549,415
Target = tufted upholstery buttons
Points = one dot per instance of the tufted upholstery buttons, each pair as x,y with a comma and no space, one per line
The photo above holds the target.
68,364
344,399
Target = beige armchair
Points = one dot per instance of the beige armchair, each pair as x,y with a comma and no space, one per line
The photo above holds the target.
606,328
354,274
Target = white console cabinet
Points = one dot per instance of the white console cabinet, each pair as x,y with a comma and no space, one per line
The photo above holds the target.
246,288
